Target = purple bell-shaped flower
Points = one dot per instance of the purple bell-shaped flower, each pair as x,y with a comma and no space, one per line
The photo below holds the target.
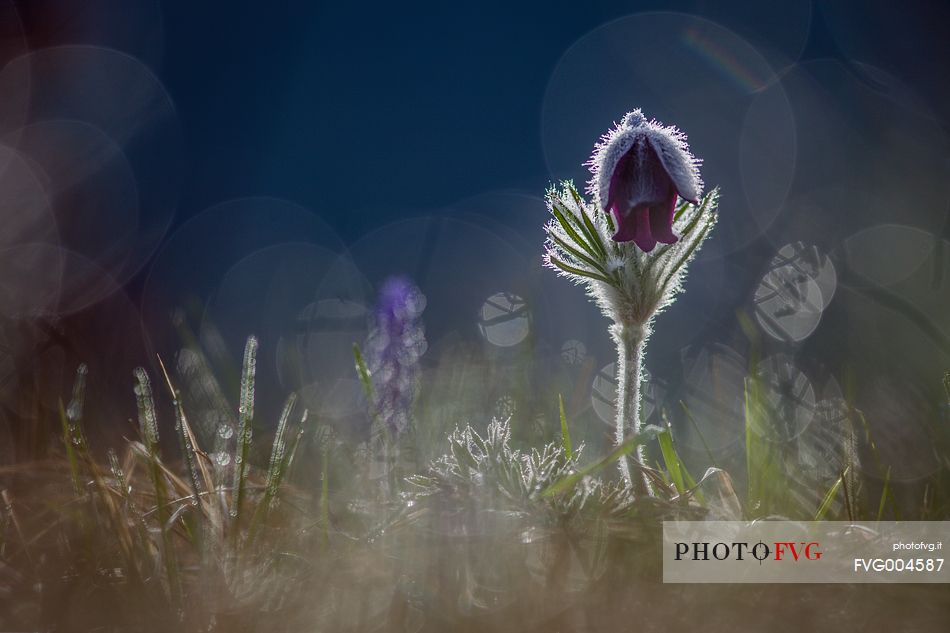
639,168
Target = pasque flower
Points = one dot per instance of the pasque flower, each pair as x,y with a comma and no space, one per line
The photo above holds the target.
610,246
639,168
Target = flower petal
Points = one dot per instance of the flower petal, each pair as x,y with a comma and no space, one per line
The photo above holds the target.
634,226
639,178
678,164
661,221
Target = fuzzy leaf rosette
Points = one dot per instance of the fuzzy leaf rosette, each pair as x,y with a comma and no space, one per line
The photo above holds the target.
629,285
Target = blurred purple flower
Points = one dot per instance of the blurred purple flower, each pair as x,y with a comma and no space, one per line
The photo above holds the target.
395,344
639,168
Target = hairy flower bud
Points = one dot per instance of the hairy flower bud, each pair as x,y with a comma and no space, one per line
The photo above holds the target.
639,168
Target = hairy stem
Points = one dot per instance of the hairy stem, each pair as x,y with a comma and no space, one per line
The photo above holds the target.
631,341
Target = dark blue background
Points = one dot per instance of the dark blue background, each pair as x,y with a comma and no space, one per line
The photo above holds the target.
346,107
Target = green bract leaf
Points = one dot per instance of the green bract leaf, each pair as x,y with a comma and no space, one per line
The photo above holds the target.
572,232
576,253
577,271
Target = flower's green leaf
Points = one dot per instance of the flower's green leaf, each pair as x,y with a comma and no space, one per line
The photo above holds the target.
571,231
684,258
587,226
579,255
578,271
684,205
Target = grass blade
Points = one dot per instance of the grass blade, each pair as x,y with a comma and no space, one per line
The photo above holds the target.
278,462
148,423
186,440
847,495
679,475
362,371
627,447
70,445
768,489
293,451
829,497
275,469
885,492
245,419
565,432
